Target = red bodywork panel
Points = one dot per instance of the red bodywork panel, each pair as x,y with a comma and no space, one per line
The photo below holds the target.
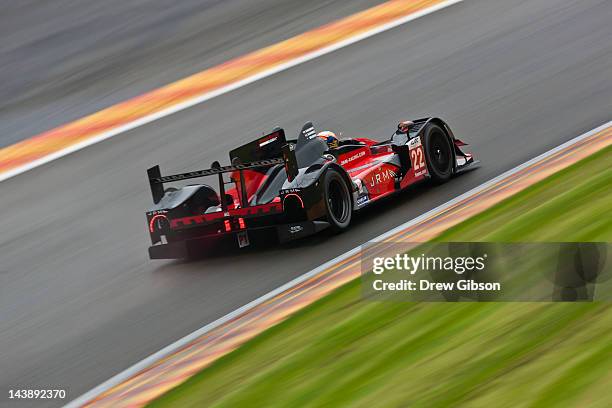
378,168
252,181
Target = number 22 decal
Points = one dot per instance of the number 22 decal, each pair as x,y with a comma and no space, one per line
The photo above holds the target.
416,156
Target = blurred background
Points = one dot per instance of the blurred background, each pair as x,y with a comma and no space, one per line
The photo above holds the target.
63,59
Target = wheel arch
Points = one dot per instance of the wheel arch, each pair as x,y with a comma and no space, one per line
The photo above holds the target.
335,224
438,121
347,179
447,130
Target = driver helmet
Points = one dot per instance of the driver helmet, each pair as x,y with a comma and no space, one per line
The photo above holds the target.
330,138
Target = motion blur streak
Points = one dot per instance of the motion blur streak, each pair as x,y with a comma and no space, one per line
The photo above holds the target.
209,83
211,342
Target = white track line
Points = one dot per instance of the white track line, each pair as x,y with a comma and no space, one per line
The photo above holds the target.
228,88
152,359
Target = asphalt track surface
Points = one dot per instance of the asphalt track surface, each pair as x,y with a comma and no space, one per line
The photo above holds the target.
63,59
79,299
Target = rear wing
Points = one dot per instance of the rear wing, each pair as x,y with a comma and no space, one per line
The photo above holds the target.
266,151
156,180
156,177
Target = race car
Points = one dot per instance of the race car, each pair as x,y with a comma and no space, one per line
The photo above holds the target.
290,189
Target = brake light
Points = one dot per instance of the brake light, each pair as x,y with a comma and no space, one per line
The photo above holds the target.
241,223
228,226
155,218
294,195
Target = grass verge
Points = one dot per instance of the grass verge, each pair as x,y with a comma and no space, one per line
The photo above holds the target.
343,350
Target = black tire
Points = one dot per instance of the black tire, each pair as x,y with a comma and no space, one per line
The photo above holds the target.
438,153
338,202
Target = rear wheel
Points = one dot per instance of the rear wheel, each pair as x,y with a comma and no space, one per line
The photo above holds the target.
338,203
439,153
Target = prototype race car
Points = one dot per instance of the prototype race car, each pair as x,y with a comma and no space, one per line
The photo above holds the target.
290,189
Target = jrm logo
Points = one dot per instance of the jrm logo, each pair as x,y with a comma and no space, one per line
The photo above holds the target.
382,177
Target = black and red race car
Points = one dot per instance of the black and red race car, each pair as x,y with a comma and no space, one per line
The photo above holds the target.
290,189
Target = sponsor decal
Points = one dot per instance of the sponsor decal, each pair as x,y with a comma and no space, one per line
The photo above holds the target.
382,177
414,142
353,157
290,191
157,212
362,200
267,141
294,229
309,133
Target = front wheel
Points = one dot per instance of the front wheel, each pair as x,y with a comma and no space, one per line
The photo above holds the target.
338,203
438,153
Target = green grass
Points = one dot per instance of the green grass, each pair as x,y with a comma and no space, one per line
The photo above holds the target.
345,351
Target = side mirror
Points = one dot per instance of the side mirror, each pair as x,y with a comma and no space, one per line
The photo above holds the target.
404,126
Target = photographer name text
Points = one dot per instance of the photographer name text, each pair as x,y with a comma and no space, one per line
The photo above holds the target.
424,285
